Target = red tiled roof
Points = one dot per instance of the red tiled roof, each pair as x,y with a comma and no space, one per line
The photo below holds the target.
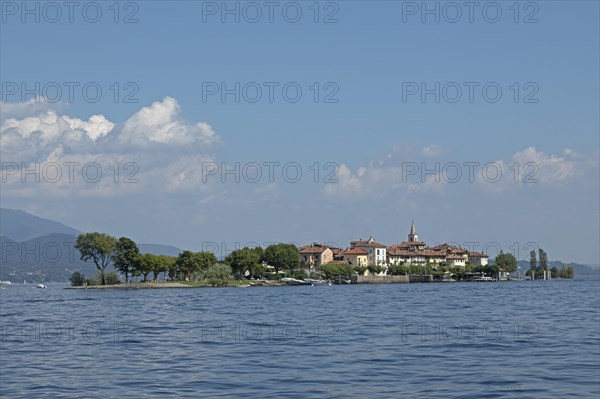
312,249
445,247
374,244
408,244
354,251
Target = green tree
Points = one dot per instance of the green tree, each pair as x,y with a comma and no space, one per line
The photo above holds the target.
332,272
259,271
282,256
204,260
570,272
99,247
532,261
218,275
186,264
543,259
374,269
506,261
397,270
243,260
77,279
126,255
163,265
146,264
189,262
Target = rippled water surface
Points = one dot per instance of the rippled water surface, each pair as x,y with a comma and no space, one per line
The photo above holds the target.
471,340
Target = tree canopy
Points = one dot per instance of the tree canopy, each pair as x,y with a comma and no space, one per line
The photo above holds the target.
244,260
99,247
126,256
506,261
189,262
282,256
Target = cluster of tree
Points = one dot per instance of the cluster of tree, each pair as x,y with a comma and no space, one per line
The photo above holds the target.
538,264
331,272
405,270
103,249
564,272
191,265
251,261
78,279
504,261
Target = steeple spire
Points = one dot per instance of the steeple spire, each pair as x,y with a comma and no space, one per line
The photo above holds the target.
412,236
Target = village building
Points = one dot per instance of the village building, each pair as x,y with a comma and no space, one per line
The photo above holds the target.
316,255
412,252
356,257
416,253
376,252
478,259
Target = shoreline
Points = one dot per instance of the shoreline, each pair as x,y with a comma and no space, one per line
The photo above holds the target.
164,285
161,285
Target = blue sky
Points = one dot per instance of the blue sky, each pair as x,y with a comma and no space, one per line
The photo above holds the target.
177,50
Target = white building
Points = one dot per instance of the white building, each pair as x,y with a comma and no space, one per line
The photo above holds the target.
376,252
478,259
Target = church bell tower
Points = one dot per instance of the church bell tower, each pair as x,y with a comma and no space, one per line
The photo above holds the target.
412,236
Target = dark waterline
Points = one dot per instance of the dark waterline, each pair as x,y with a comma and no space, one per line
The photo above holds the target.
459,340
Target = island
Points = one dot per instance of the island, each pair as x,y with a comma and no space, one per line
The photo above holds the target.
362,262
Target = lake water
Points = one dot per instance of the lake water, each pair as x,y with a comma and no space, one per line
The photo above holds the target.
455,340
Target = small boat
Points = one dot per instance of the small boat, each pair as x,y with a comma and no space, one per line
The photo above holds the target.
314,282
41,286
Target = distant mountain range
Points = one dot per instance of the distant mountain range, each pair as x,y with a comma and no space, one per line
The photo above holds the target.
34,249
23,226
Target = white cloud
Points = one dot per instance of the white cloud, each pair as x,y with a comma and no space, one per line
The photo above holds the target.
161,123
530,167
31,107
381,182
546,167
43,135
433,150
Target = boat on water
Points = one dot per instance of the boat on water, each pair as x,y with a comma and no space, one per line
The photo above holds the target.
484,278
41,286
312,281
293,281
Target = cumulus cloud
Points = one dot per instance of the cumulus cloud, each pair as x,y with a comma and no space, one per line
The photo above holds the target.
374,181
547,167
31,107
37,133
522,169
531,167
162,123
